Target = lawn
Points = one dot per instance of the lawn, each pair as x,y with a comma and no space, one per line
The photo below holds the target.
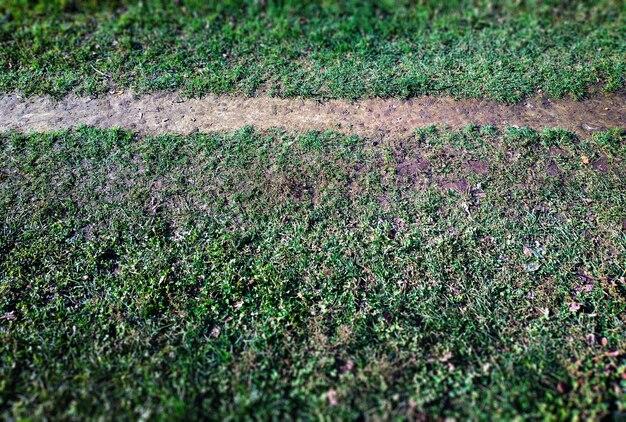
503,50
469,274
473,274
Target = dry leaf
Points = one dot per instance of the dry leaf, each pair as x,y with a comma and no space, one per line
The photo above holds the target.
574,306
349,366
446,357
331,397
584,159
8,316
532,267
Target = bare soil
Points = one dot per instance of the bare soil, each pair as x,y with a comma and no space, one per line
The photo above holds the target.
168,112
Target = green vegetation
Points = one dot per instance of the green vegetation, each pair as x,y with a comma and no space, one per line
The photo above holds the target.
502,50
473,274
476,274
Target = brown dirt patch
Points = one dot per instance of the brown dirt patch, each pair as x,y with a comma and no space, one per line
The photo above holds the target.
170,113
413,167
478,166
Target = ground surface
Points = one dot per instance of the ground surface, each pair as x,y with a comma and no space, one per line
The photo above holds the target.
396,118
466,274
503,50
305,257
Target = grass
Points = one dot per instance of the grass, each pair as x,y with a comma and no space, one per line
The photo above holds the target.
473,274
501,50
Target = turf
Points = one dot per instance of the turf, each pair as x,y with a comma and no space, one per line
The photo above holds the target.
501,50
473,274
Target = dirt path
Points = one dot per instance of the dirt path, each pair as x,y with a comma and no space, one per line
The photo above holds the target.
168,112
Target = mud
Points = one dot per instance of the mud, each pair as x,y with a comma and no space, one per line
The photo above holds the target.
170,113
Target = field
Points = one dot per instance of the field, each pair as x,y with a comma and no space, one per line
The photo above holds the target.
502,50
463,274
444,273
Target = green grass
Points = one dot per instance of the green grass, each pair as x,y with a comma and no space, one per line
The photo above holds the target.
474,274
502,50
